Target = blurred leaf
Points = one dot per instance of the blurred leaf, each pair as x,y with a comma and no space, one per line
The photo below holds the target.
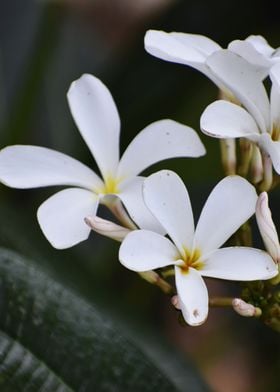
52,340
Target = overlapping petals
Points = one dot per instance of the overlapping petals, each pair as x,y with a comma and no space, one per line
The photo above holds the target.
256,50
94,111
195,51
258,121
195,253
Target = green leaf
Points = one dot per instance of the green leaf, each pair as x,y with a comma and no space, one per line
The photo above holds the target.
53,340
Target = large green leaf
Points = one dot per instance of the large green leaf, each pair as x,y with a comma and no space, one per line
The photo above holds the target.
53,340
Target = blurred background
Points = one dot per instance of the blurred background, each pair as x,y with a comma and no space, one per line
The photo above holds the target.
44,46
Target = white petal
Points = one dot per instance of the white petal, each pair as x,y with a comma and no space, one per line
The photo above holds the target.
158,141
61,217
239,263
275,96
244,81
272,148
260,44
97,118
247,50
144,250
187,49
229,205
224,119
192,295
32,167
167,198
200,43
132,197
267,228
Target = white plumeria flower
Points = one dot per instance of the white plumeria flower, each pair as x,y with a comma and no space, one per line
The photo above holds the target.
195,50
260,123
195,252
257,51
61,217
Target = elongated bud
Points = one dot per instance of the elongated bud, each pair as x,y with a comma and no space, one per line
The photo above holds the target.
267,227
228,155
246,149
256,165
267,181
244,309
107,228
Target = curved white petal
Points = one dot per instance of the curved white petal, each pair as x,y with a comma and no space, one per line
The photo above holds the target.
167,198
272,148
224,119
132,197
61,217
187,49
267,228
275,96
95,114
244,81
203,45
168,47
33,166
230,204
260,44
247,50
158,141
144,250
192,296
239,263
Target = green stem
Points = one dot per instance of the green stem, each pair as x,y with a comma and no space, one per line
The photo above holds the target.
220,301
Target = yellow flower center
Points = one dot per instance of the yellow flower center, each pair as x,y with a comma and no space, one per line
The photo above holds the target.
111,185
191,259
275,134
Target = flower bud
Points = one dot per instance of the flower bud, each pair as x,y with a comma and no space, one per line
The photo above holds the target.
228,154
267,227
256,165
244,309
175,302
107,228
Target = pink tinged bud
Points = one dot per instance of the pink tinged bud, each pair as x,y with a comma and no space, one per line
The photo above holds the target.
175,302
267,227
107,228
244,309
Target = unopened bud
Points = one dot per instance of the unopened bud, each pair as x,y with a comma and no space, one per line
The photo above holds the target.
228,154
175,302
244,309
256,165
267,227
107,228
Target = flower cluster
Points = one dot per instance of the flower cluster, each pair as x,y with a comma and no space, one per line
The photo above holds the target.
156,225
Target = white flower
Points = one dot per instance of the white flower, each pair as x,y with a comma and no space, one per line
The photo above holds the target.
259,120
257,51
61,217
195,51
267,227
195,252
